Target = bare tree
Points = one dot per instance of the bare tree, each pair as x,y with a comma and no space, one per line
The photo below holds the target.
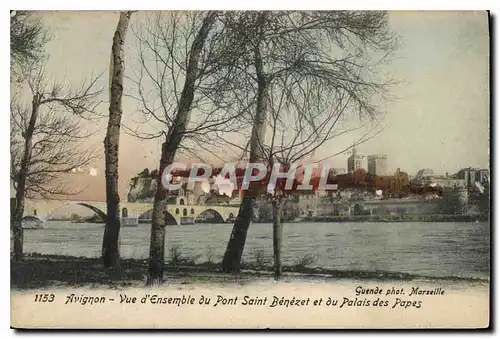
44,140
27,39
300,53
165,42
301,119
178,53
110,251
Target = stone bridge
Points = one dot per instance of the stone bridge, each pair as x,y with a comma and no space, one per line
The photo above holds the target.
43,209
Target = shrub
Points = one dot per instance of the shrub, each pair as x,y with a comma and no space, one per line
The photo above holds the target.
260,258
306,260
177,258
210,255
175,255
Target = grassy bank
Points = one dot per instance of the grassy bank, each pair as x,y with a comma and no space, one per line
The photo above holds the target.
37,271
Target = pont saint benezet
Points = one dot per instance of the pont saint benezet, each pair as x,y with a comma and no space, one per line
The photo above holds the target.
275,301
264,301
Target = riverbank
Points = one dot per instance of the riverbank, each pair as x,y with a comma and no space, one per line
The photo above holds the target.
383,218
37,271
397,218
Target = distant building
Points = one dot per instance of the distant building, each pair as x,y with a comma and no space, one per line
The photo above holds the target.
337,171
354,162
395,185
427,178
454,200
263,210
400,182
426,172
473,175
477,183
290,209
484,176
377,164
307,204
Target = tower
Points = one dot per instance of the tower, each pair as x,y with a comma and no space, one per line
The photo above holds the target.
354,161
377,164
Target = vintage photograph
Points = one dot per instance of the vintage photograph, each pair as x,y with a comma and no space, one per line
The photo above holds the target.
250,169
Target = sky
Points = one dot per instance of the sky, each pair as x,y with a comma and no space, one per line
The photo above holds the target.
438,115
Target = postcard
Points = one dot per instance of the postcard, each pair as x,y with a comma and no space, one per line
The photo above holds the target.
250,169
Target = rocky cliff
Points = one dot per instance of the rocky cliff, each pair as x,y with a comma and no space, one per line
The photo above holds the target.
142,187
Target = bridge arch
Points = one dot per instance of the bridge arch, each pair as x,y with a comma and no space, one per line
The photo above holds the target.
31,218
95,209
218,217
169,219
38,212
31,222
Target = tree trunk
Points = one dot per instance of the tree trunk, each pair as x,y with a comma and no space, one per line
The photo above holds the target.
158,220
277,237
17,217
110,251
169,148
17,227
234,251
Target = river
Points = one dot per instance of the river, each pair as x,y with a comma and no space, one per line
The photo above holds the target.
430,249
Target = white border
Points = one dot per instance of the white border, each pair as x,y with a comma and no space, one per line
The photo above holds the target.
185,4
255,5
